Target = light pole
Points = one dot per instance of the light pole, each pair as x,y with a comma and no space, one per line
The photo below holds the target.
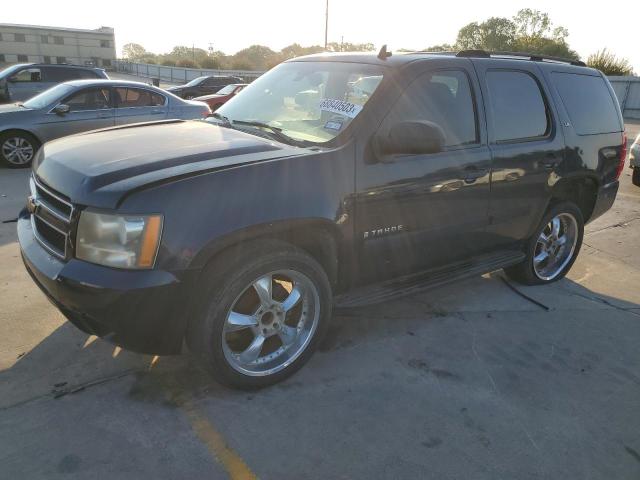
326,26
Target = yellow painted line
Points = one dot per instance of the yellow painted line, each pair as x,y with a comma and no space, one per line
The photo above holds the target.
230,460
233,463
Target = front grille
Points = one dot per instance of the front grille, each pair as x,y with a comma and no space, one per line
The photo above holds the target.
52,218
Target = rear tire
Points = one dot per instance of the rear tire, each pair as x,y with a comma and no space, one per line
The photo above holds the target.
553,248
263,308
18,149
635,177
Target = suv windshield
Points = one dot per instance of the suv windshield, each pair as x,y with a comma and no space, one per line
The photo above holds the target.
308,101
48,96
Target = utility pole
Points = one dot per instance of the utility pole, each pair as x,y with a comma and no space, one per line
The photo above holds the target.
326,26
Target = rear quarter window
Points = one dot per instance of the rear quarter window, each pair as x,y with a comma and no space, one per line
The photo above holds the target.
589,104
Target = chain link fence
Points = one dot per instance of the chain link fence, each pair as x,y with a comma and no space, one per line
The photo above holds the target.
178,75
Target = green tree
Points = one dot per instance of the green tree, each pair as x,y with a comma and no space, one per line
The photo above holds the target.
529,31
255,57
133,51
609,64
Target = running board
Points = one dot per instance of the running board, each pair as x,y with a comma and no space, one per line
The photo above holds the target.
427,279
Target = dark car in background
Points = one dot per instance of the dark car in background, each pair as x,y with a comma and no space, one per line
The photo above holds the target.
203,86
238,234
82,105
22,81
216,100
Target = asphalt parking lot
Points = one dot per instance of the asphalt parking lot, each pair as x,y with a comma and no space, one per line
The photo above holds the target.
469,381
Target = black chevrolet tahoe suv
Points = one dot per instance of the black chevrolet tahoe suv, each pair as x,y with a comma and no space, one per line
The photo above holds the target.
236,235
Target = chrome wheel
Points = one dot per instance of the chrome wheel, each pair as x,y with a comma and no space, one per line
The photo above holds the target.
271,323
555,246
17,150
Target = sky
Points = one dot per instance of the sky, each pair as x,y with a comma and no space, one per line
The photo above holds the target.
230,26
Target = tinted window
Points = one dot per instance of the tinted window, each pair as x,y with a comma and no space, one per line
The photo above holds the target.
517,105
443,98
89,99
27,75
589,104
57,74
136,97
85,74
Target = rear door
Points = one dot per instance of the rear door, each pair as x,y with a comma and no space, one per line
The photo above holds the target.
90,109
526,144
134,105
421,211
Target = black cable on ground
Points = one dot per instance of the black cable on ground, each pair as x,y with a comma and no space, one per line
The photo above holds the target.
526,297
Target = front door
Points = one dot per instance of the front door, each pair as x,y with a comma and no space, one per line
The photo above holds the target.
89,109
136,105
526,145
419,211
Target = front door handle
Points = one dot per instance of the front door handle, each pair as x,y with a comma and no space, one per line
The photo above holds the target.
473,173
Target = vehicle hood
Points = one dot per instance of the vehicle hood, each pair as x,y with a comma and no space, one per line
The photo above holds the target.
13,108
99,168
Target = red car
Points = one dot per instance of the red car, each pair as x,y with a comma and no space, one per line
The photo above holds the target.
223,95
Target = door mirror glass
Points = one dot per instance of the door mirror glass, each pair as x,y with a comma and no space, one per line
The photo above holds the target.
418,137
61,109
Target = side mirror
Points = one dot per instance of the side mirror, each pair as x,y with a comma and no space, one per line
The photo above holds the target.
61,109
416,137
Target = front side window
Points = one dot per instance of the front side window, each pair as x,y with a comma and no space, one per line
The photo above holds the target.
89,99
444,98
308,101
137,97
27,75
517,106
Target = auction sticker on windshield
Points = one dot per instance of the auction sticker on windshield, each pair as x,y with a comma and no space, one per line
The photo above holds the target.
340,107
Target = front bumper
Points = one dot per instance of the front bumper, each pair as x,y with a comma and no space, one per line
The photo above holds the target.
606,196
144,311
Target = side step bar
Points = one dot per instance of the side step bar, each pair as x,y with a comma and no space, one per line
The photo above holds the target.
427,279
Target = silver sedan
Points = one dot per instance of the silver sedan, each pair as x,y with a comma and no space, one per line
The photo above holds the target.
83,105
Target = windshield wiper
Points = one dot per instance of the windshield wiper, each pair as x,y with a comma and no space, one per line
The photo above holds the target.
225,121
277,132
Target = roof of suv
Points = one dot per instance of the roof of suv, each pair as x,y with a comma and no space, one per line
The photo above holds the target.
402,58
59,65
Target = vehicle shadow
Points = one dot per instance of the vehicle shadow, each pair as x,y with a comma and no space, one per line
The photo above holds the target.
68,361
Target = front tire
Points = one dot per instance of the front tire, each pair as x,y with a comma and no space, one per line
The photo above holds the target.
635,177
553,248
263,309
17,149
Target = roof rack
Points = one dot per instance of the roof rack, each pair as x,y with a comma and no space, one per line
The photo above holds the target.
526,56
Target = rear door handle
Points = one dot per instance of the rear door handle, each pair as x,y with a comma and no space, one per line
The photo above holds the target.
550,162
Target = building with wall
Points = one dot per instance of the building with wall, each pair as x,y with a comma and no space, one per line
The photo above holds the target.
38,44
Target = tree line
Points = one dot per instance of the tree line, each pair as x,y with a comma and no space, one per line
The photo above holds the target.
530,31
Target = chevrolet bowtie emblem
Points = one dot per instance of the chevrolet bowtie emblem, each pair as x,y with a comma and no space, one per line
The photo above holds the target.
32,206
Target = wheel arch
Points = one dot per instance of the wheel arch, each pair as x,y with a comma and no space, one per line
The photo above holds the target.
581,190
320,238
6,130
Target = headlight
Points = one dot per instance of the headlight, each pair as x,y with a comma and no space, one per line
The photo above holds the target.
121,241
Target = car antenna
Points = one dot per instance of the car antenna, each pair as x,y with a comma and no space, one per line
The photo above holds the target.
383,54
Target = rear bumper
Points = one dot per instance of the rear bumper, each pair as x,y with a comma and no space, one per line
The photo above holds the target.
144,311
606,196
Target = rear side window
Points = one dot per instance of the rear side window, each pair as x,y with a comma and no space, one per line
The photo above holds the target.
517,105
442,97
589,103
57,74
136,97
